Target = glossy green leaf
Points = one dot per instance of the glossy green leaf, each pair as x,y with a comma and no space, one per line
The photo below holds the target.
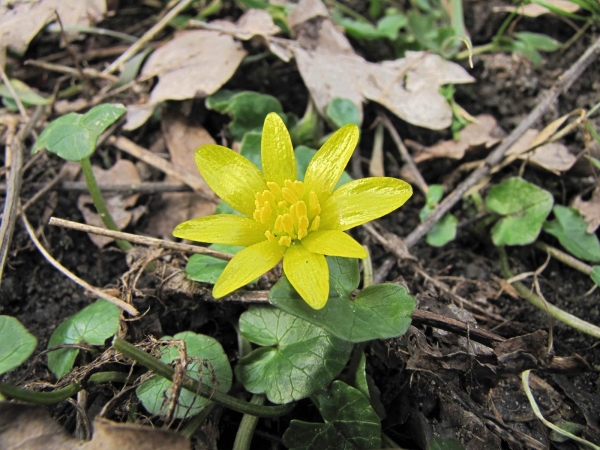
304,155
207,269
445,444
207,362
538,41
378,312
297,358
571,231
220,100
342,111
74,136
27,95
17,343
365,384
387,27
350,423
524,207
443,231
93,325
251,148
132,68
434,195
595,275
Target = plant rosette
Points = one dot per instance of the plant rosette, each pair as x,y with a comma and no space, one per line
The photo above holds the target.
299,222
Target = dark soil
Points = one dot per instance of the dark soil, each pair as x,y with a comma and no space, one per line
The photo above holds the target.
484,409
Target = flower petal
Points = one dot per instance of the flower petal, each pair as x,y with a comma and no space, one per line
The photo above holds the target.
327,166
333,243
360,201
246,265
222,229
309,274
233,178
277,152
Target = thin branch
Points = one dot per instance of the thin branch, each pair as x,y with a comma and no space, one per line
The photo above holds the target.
86,71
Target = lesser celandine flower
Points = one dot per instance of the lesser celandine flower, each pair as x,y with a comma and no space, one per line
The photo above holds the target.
287,219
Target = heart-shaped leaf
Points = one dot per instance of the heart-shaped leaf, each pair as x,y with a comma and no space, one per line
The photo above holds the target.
207,269
74,136
443,231
350,423
93,325
207,362
342,111
524,207
301,358
17,343
571,230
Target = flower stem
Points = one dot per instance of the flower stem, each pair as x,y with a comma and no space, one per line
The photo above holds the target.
109,377
39,398
196,387
536,301
98,200
565,258
245,432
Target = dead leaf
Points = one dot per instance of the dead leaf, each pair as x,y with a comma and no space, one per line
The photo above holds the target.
589,210
409,87
28,427
118,205
474,135
254,22
194,64
21,21
553,157
182,141
536,10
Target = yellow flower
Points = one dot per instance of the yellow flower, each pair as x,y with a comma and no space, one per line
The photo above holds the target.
287,219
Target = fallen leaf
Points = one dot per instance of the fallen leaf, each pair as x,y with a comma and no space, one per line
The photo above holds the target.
474,135
536,10
124,171
553,157
182,140
254,22
21,21
589,210
31,427
194,64
408,87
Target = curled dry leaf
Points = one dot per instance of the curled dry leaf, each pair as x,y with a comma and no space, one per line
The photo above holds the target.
589,210
21,20
408,87
194,64
254,22
536,10
182,141
31,427
474,135
553,157
118,205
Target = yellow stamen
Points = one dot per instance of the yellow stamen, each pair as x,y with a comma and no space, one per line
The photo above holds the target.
269,197
288,225
314,226
256,215
300,208
270,236
289,194
265,213
285,240
274,188
282,204
278,223
314,208
299,188
293,214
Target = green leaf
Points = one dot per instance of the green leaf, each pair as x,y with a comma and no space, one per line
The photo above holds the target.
27,95
220,100
538,41
443,231
571,231
301,358
595,275
93,325
378,312
445,444
390,25
304,155
342,111
365,384
207,269
207,362
256,4
251,148
524,207
74,136
350,423
434,195
17,343
132,68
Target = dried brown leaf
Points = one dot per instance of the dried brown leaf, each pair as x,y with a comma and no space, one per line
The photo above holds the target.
254,22
535,10
589,210
553,157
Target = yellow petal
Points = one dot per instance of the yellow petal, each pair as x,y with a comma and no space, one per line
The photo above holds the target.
246,265
222,229
277,153
334,243
363,200
308,273
327,166
233,178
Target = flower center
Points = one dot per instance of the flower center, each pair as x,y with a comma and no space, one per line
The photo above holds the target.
289,211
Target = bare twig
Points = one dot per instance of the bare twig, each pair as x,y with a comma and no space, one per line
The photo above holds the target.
96,291
149,35
142,240
145,187
87,71
15,97
547,99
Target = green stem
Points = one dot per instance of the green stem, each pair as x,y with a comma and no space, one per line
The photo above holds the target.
245,432
109,377
98,200
564,258
478,50
196,421
39,398
536,301
197,387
